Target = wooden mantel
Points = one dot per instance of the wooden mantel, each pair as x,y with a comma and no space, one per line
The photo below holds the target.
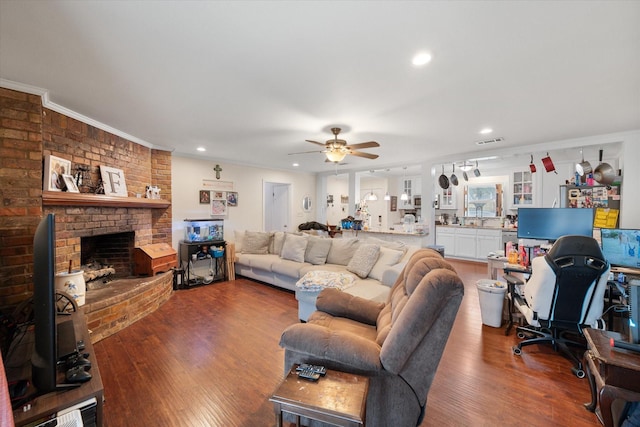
59,198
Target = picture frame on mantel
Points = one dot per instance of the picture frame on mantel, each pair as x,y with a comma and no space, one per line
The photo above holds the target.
54,168
70,184
113,181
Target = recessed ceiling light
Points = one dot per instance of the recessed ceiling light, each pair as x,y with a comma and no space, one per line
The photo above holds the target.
201,149
295,165
486,131
421,59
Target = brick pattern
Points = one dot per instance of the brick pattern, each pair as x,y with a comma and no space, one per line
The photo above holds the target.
28,132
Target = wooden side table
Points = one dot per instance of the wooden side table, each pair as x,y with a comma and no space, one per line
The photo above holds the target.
338,398
612,373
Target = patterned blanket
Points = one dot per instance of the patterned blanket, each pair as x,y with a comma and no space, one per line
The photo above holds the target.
318,280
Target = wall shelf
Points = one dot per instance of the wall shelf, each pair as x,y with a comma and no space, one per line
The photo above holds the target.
56,198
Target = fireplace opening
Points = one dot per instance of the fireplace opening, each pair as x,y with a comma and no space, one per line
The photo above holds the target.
107,257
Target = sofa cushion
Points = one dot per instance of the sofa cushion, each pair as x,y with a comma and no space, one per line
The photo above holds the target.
294,247
256,242
387,258
317,250
277,240
239,239
342,250
363,259
288,268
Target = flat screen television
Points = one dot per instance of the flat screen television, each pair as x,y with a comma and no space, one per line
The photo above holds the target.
48,334
44,358
553,223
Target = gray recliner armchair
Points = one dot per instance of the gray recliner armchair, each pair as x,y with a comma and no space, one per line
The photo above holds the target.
397,344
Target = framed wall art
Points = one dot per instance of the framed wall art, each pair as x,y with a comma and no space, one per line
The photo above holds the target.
232,198
393,204
218,207
54,168
113,181
205,197
70,183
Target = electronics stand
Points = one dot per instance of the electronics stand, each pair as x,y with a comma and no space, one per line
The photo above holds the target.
87,397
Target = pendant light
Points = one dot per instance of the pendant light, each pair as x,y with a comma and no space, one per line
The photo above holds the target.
404,196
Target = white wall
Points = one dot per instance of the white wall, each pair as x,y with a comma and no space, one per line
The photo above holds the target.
186,179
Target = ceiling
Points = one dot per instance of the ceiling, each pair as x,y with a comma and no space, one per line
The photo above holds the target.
251,80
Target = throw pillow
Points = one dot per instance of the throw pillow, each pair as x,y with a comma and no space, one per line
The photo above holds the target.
363,260
294,247
256,242
275,247
317,250
387,258
239,236
341,251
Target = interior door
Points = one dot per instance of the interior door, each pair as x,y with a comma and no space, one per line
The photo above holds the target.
277,206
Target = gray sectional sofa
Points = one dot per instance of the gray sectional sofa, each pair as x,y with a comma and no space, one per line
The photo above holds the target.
367,268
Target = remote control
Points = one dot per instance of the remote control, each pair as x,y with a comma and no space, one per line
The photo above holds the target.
308,374
315,368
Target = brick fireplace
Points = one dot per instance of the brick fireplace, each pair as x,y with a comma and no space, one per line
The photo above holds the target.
28,132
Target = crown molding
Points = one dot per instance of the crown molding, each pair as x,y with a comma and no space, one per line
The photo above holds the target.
47,103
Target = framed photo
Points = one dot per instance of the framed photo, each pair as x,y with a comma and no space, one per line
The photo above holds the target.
219,195
54,168
113,181
218,207
232,198
205,197
70,183
393,205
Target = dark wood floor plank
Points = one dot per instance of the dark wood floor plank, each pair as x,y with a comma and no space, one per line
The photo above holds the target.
210,357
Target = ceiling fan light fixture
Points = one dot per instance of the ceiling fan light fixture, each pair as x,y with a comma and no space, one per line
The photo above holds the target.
336,155
466,167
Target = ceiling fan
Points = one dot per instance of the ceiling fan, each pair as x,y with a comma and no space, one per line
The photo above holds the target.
336,149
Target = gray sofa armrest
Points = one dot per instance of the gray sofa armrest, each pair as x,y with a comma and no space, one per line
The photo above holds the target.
342,304
341,347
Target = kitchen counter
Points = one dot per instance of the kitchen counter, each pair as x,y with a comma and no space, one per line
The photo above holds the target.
414,239
480,227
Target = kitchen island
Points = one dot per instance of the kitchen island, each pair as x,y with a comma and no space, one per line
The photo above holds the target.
413,239
472,242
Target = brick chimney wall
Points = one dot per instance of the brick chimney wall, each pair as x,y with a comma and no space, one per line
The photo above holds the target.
28,132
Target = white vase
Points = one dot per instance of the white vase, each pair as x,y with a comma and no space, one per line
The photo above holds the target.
72,284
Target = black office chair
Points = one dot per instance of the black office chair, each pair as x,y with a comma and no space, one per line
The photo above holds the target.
564,294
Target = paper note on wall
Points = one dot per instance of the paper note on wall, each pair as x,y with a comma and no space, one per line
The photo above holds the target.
606,218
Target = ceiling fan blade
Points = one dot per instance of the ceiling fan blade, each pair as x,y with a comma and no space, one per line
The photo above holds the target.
306,152
316,142
361,154
369,144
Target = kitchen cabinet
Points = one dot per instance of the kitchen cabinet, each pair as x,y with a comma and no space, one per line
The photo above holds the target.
445,236
522,187
448,198
465,242
411,186
488,241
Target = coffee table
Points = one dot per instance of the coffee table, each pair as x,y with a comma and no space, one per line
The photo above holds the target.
338,398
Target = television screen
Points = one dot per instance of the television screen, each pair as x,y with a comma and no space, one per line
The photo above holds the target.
621,246
553,223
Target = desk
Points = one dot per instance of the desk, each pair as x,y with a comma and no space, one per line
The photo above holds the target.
512,282
612,373
494,265
337,398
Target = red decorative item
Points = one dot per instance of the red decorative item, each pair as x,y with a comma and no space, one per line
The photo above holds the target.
532,166
548,164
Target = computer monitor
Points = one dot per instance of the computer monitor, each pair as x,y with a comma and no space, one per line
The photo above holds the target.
621,247
553,223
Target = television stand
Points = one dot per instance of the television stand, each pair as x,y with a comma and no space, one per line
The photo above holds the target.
86,396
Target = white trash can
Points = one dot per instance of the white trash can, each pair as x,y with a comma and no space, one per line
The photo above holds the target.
491,296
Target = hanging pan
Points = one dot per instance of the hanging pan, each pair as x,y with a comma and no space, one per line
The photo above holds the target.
465,176
532,166
443,180
548,164
604,173
476,171
454,178
583,168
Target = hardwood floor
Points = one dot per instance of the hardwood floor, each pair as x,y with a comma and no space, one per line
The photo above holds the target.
210,357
